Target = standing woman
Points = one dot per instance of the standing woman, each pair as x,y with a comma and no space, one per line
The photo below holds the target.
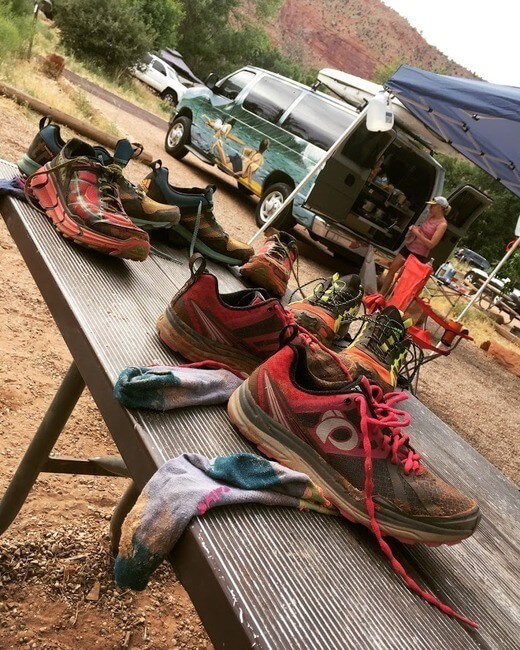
420,240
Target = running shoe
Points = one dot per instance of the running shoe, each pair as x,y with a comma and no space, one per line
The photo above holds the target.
383,351
46,145
271,266
348,437
80,196
329,311
198,226
142,210
239,329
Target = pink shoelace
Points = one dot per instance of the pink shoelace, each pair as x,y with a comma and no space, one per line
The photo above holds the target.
388,423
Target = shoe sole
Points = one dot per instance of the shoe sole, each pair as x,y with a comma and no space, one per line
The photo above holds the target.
48,195
262,274
273,441
183,339
205,249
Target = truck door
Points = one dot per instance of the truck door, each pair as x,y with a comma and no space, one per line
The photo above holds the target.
339,183
467,203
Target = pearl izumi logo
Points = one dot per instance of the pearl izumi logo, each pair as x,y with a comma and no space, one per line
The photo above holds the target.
337,430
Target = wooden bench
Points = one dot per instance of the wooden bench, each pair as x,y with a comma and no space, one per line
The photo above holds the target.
262,578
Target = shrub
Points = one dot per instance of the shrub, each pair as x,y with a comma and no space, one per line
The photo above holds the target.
106,33
14,33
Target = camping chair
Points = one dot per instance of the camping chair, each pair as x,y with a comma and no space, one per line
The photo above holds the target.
405,296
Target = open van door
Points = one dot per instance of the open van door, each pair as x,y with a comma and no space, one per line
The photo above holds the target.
341,180
467,203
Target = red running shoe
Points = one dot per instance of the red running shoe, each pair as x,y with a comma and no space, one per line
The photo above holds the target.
347,437
271,266
80,196
239,329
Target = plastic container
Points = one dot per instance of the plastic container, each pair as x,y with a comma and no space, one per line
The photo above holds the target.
380,116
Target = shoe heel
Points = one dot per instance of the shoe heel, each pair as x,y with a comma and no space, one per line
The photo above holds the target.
27,165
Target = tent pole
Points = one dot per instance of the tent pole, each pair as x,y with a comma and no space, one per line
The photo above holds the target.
490,277
315,169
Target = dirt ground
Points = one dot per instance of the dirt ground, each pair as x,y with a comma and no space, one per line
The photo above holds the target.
56,552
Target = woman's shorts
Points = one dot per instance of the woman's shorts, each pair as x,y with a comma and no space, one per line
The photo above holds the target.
406,253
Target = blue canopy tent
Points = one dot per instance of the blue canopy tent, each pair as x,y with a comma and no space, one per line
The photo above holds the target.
479,119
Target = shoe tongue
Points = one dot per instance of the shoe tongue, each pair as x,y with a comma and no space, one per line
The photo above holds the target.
123,152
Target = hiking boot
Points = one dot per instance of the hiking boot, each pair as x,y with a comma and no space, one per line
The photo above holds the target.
383,351
271,266
328,313
347,437
142,210
80,196
239,329
198,226
46,145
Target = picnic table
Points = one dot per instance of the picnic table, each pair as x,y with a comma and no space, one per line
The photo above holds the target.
259,577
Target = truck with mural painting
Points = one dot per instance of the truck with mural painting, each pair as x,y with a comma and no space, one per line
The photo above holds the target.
268,132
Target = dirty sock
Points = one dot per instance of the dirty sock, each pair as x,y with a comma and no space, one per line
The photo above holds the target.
189,486
162,388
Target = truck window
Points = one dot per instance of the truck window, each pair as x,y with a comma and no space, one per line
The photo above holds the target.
317,121
159,67
270,98
231,86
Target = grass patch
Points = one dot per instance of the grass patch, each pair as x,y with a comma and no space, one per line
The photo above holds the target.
480,324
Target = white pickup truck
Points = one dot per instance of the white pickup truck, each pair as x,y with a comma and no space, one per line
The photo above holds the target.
161,77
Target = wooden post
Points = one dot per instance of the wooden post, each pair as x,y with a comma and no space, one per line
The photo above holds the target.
80,127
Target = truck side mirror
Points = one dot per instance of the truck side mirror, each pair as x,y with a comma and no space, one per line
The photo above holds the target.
211,80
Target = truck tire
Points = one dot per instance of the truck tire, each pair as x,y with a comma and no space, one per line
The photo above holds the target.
170,96
177,136
271,198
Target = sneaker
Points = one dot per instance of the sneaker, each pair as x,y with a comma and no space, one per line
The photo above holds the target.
142,210
239,329
347,437
383,351
80,196
46,145
328,313
197,225
271,266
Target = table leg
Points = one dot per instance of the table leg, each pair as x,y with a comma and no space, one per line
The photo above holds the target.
124,505
41,446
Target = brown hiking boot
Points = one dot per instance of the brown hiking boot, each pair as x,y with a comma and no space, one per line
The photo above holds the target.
144,211
197,226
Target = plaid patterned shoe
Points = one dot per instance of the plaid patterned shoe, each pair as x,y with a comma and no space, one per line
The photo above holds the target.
80,196
198,226
383,351
239,329
271,266
328,313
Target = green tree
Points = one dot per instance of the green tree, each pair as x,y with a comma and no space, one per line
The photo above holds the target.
106,33
491,232
163,17
217,36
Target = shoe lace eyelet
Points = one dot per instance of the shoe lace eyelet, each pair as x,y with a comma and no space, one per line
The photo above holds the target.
348,400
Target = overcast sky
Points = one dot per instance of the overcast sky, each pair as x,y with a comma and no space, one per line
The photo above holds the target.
481,35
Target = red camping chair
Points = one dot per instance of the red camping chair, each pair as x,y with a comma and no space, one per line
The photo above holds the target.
405,294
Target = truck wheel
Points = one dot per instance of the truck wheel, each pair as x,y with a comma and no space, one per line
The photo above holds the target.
270,201
170,96
177,136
